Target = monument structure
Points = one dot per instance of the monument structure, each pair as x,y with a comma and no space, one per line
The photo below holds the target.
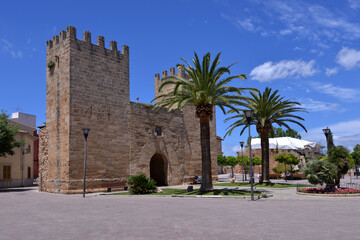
88,87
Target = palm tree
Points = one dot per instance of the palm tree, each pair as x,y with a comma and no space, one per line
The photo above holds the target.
321,171
269,108
204,90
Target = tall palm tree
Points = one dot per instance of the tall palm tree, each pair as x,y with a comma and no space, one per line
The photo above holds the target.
269,108
203,89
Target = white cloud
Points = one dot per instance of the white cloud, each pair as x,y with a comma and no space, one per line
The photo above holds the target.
247,24
318,52
344,133
354,4
344,94
236,148
285,32
331,71
266,33
230,149
301,20
317,106
348,58
7,47
332,23
288,88
17,54
283,69
298,48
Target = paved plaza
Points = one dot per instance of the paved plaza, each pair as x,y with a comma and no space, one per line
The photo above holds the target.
29,214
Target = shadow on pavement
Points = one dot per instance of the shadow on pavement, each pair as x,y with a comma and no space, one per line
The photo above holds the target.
19,189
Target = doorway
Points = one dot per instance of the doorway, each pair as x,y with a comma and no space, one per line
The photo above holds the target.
158,168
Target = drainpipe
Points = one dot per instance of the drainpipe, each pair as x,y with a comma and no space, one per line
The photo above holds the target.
22,155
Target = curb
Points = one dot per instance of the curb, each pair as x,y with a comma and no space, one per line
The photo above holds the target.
328,195
221,196
136,196
193,196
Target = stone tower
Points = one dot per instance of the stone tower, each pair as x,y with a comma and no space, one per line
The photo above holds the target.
87,87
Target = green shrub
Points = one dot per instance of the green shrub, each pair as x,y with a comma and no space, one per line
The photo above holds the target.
279,169
140,184
51,64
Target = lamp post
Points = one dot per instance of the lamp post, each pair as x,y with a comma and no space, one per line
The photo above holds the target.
248,115
242,160
326,131
86,133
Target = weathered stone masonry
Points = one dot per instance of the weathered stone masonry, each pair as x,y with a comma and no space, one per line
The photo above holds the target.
89,87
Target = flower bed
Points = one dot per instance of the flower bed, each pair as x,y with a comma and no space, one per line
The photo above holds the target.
274,176
296,176
322,190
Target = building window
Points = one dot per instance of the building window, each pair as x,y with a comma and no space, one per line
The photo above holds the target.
27,149
6,172
29,172
158,131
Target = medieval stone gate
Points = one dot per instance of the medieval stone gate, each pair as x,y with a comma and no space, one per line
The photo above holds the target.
88,87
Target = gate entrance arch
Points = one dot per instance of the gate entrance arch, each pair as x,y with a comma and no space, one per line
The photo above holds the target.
158,169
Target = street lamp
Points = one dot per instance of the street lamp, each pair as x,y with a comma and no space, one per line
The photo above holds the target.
242,160
326,131
248,115
86,133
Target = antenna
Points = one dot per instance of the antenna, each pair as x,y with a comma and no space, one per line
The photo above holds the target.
18,109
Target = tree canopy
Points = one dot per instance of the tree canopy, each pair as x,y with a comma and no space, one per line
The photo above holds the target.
221,160
356,155
231,161
287,158
255,161
338,155
279,132
8,132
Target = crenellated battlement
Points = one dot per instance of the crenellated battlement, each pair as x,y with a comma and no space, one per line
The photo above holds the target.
70,36
180,73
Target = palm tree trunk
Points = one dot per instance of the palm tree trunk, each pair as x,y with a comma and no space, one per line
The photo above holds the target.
337,180
206,183
265,168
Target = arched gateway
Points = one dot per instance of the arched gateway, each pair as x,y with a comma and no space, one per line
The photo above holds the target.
158,169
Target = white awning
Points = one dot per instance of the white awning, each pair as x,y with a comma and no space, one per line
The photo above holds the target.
283,143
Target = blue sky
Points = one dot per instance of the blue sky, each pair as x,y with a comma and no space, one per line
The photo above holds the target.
309,50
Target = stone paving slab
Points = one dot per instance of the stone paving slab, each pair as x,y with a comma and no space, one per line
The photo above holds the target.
32,215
